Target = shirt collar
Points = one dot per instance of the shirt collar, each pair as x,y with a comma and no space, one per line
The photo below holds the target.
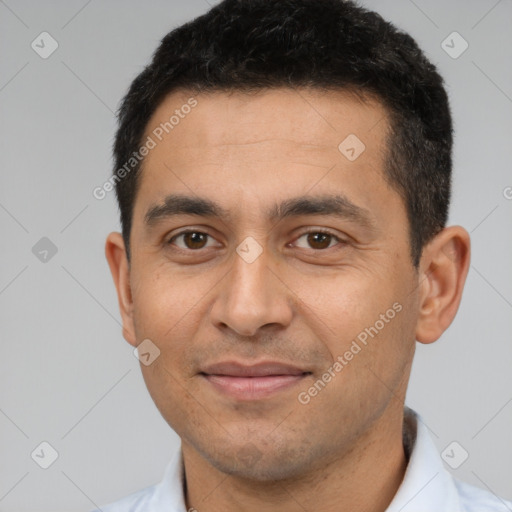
426,486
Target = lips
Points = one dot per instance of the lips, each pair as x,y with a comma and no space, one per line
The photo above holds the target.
263,369
252,382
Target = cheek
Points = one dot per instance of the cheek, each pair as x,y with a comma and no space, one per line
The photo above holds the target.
170,309
163,300
364,318
346,301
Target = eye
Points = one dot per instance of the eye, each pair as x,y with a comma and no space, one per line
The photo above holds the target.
319,240
191,240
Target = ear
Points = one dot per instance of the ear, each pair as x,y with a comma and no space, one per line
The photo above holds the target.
443,269
115,253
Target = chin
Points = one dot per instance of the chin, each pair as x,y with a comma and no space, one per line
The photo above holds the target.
261,462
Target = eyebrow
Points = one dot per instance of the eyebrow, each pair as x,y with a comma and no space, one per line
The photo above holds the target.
336,205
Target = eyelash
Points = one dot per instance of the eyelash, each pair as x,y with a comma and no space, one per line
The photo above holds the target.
313,231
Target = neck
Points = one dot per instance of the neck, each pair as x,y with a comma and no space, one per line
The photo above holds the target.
365,478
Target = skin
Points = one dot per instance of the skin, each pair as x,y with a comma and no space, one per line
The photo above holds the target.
301,301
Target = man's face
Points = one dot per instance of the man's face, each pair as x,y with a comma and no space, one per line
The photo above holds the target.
302,286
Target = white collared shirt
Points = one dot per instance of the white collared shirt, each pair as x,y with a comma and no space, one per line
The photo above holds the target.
427,486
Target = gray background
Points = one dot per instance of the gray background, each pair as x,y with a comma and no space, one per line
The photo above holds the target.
66,374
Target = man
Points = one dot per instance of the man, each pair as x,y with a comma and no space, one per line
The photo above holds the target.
283,176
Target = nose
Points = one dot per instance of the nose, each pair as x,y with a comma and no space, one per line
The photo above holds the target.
252,297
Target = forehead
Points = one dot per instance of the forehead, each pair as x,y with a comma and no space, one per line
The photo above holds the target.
304,116
237,145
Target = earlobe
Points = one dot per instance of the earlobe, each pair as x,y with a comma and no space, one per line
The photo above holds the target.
444,266
116,256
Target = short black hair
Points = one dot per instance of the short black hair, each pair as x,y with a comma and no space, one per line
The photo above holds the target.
251,45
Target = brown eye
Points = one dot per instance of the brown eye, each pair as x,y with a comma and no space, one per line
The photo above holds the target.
190,240
318,240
